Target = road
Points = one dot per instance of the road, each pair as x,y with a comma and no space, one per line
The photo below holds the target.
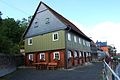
89,72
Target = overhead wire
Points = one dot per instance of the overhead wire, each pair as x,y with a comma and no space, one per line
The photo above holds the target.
11,6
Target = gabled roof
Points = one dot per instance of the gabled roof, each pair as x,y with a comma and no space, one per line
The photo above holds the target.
61,18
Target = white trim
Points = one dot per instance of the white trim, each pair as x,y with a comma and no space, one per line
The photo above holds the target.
30,57
56,53
30,43
79,40
55,33
41,57
69,36
75,39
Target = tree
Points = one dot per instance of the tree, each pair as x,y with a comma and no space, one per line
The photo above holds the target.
10,34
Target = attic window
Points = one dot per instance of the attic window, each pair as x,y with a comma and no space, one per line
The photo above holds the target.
36,24
47,20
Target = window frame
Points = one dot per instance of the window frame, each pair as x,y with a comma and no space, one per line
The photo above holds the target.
29,42
75,39
41,57
54,56
79,40
53,36
69,36
29,57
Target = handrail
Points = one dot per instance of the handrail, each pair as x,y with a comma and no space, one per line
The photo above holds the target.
112,71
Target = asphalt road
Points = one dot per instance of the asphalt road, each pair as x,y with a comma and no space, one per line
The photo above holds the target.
89,72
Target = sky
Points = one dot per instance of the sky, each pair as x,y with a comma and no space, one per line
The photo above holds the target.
98,19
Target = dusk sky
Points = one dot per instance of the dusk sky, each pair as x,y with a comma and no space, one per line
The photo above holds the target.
98,19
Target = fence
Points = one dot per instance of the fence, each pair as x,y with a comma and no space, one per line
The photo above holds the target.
109,74
8,63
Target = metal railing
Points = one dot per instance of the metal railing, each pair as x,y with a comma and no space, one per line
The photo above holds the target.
109,74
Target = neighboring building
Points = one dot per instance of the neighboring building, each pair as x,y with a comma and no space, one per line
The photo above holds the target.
94,49
52,38
103,46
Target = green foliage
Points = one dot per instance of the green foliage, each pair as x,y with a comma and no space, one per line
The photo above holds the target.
10,35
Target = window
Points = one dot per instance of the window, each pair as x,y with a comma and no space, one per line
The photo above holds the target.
75,39
69,37
83,42
79,40
30,41
42,56
47,21
75,53
55,36
56,55
88,44
80,54
31,57
69,53
36,24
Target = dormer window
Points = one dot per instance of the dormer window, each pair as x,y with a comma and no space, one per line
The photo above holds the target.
35,24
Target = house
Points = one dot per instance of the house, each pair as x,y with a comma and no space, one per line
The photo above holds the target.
52,38
103,46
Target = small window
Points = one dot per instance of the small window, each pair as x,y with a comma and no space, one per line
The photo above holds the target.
84,42
35,24
75,39
69,53
30,41
42,56
79,40
75,53
55,36
69,37
31,57
56,55
88,44
47,21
